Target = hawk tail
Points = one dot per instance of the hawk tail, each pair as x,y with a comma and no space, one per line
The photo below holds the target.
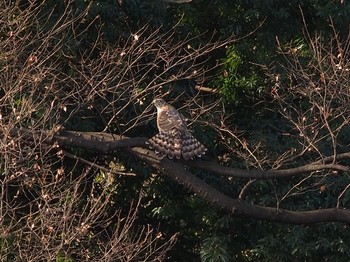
165,145
191,147
184,145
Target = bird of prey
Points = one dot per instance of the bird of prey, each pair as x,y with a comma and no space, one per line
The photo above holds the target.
173,139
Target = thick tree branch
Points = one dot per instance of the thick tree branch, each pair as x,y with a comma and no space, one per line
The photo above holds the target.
106,143
234,206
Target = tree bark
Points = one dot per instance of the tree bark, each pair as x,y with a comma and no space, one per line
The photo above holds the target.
108,143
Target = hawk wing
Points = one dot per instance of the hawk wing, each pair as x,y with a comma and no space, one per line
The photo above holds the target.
169,120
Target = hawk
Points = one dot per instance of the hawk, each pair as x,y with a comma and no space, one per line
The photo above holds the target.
173,139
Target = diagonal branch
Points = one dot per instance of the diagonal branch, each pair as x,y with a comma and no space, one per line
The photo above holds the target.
107,143
178,173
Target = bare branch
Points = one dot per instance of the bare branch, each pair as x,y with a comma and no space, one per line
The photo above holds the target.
235,206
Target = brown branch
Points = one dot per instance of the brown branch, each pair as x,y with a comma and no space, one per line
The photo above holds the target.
259,174
101,142
96,141
234,206
206,89
106,143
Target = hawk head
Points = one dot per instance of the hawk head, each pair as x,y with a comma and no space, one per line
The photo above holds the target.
159,103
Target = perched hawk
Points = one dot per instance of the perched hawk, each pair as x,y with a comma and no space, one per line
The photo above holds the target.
173,139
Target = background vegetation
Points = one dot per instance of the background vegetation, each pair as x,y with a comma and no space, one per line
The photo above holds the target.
264,84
